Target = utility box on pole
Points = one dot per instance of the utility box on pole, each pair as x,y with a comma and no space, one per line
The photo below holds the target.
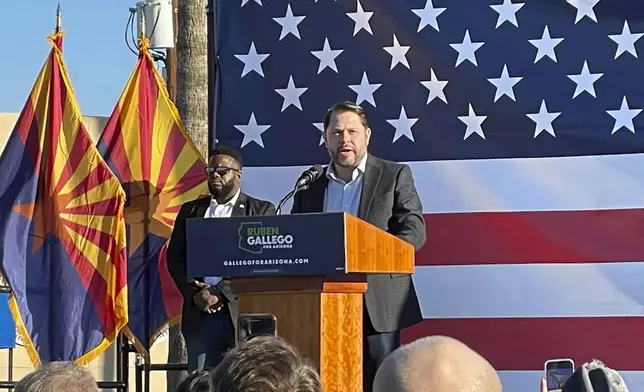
159,23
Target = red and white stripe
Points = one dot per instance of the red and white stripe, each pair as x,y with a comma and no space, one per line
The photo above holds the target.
527,259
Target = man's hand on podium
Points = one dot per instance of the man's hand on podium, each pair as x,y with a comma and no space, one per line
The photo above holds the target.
206,300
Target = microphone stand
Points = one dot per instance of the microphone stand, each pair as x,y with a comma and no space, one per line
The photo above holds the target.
302,184
288,196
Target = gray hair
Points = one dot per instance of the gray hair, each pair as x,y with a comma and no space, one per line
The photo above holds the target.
58,376
412,364
595,374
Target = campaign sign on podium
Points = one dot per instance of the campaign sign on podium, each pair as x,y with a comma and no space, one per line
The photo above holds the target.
300,244
310,272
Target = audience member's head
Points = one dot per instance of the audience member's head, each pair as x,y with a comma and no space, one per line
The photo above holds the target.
595,377
56,377
265,364
197,381
436,364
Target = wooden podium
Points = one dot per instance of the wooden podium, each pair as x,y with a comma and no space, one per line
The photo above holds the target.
317,298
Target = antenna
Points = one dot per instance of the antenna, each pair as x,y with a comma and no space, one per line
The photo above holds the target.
155,21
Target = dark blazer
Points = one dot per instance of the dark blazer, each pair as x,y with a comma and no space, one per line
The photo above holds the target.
176,256
390,201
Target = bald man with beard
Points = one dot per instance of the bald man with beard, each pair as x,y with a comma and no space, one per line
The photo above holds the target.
436,364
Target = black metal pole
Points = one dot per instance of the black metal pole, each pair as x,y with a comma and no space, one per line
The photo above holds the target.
138,380
212,65
146,373
101,385
10,366
119,357
122,360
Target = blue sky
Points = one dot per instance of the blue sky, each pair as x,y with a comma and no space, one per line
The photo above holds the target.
98,61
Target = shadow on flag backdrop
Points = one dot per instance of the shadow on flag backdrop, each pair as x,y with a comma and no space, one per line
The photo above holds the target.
147,147
61,216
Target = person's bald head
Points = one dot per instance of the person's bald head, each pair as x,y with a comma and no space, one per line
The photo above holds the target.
436,363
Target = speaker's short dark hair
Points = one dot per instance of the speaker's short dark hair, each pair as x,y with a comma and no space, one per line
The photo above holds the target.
228,151
346,106
267,364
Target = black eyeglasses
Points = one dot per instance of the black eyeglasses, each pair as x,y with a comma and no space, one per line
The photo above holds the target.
221,170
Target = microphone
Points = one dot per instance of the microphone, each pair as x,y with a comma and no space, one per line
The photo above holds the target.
306,178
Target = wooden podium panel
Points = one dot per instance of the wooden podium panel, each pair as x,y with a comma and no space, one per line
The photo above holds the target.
369,249
310,271
323,319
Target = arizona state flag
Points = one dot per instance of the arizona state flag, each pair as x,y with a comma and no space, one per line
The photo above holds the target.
147,147
62,227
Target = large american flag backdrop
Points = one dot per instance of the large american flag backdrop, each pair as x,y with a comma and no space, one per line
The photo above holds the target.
523,125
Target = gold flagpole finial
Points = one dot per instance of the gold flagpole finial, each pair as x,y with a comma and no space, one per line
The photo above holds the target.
59,18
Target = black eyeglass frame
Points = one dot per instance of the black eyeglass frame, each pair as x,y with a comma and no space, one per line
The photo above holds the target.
221,170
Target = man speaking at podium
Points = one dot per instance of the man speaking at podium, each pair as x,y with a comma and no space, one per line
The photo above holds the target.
382,193
209,305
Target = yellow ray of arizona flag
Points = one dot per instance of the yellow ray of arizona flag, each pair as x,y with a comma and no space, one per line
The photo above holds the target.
62,227
147,147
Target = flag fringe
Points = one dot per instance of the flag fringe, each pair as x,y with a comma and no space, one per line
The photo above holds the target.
22,331
140,348
51,38
32,352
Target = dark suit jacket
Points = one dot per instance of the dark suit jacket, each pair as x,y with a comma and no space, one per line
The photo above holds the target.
176,256
390,201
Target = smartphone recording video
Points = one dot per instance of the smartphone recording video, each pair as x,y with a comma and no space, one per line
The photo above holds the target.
557,372
251,325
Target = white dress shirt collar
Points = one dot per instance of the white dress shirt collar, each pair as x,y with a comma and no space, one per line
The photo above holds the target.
360,169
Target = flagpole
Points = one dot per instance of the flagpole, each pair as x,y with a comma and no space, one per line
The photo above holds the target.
146,244
140,20
59,18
